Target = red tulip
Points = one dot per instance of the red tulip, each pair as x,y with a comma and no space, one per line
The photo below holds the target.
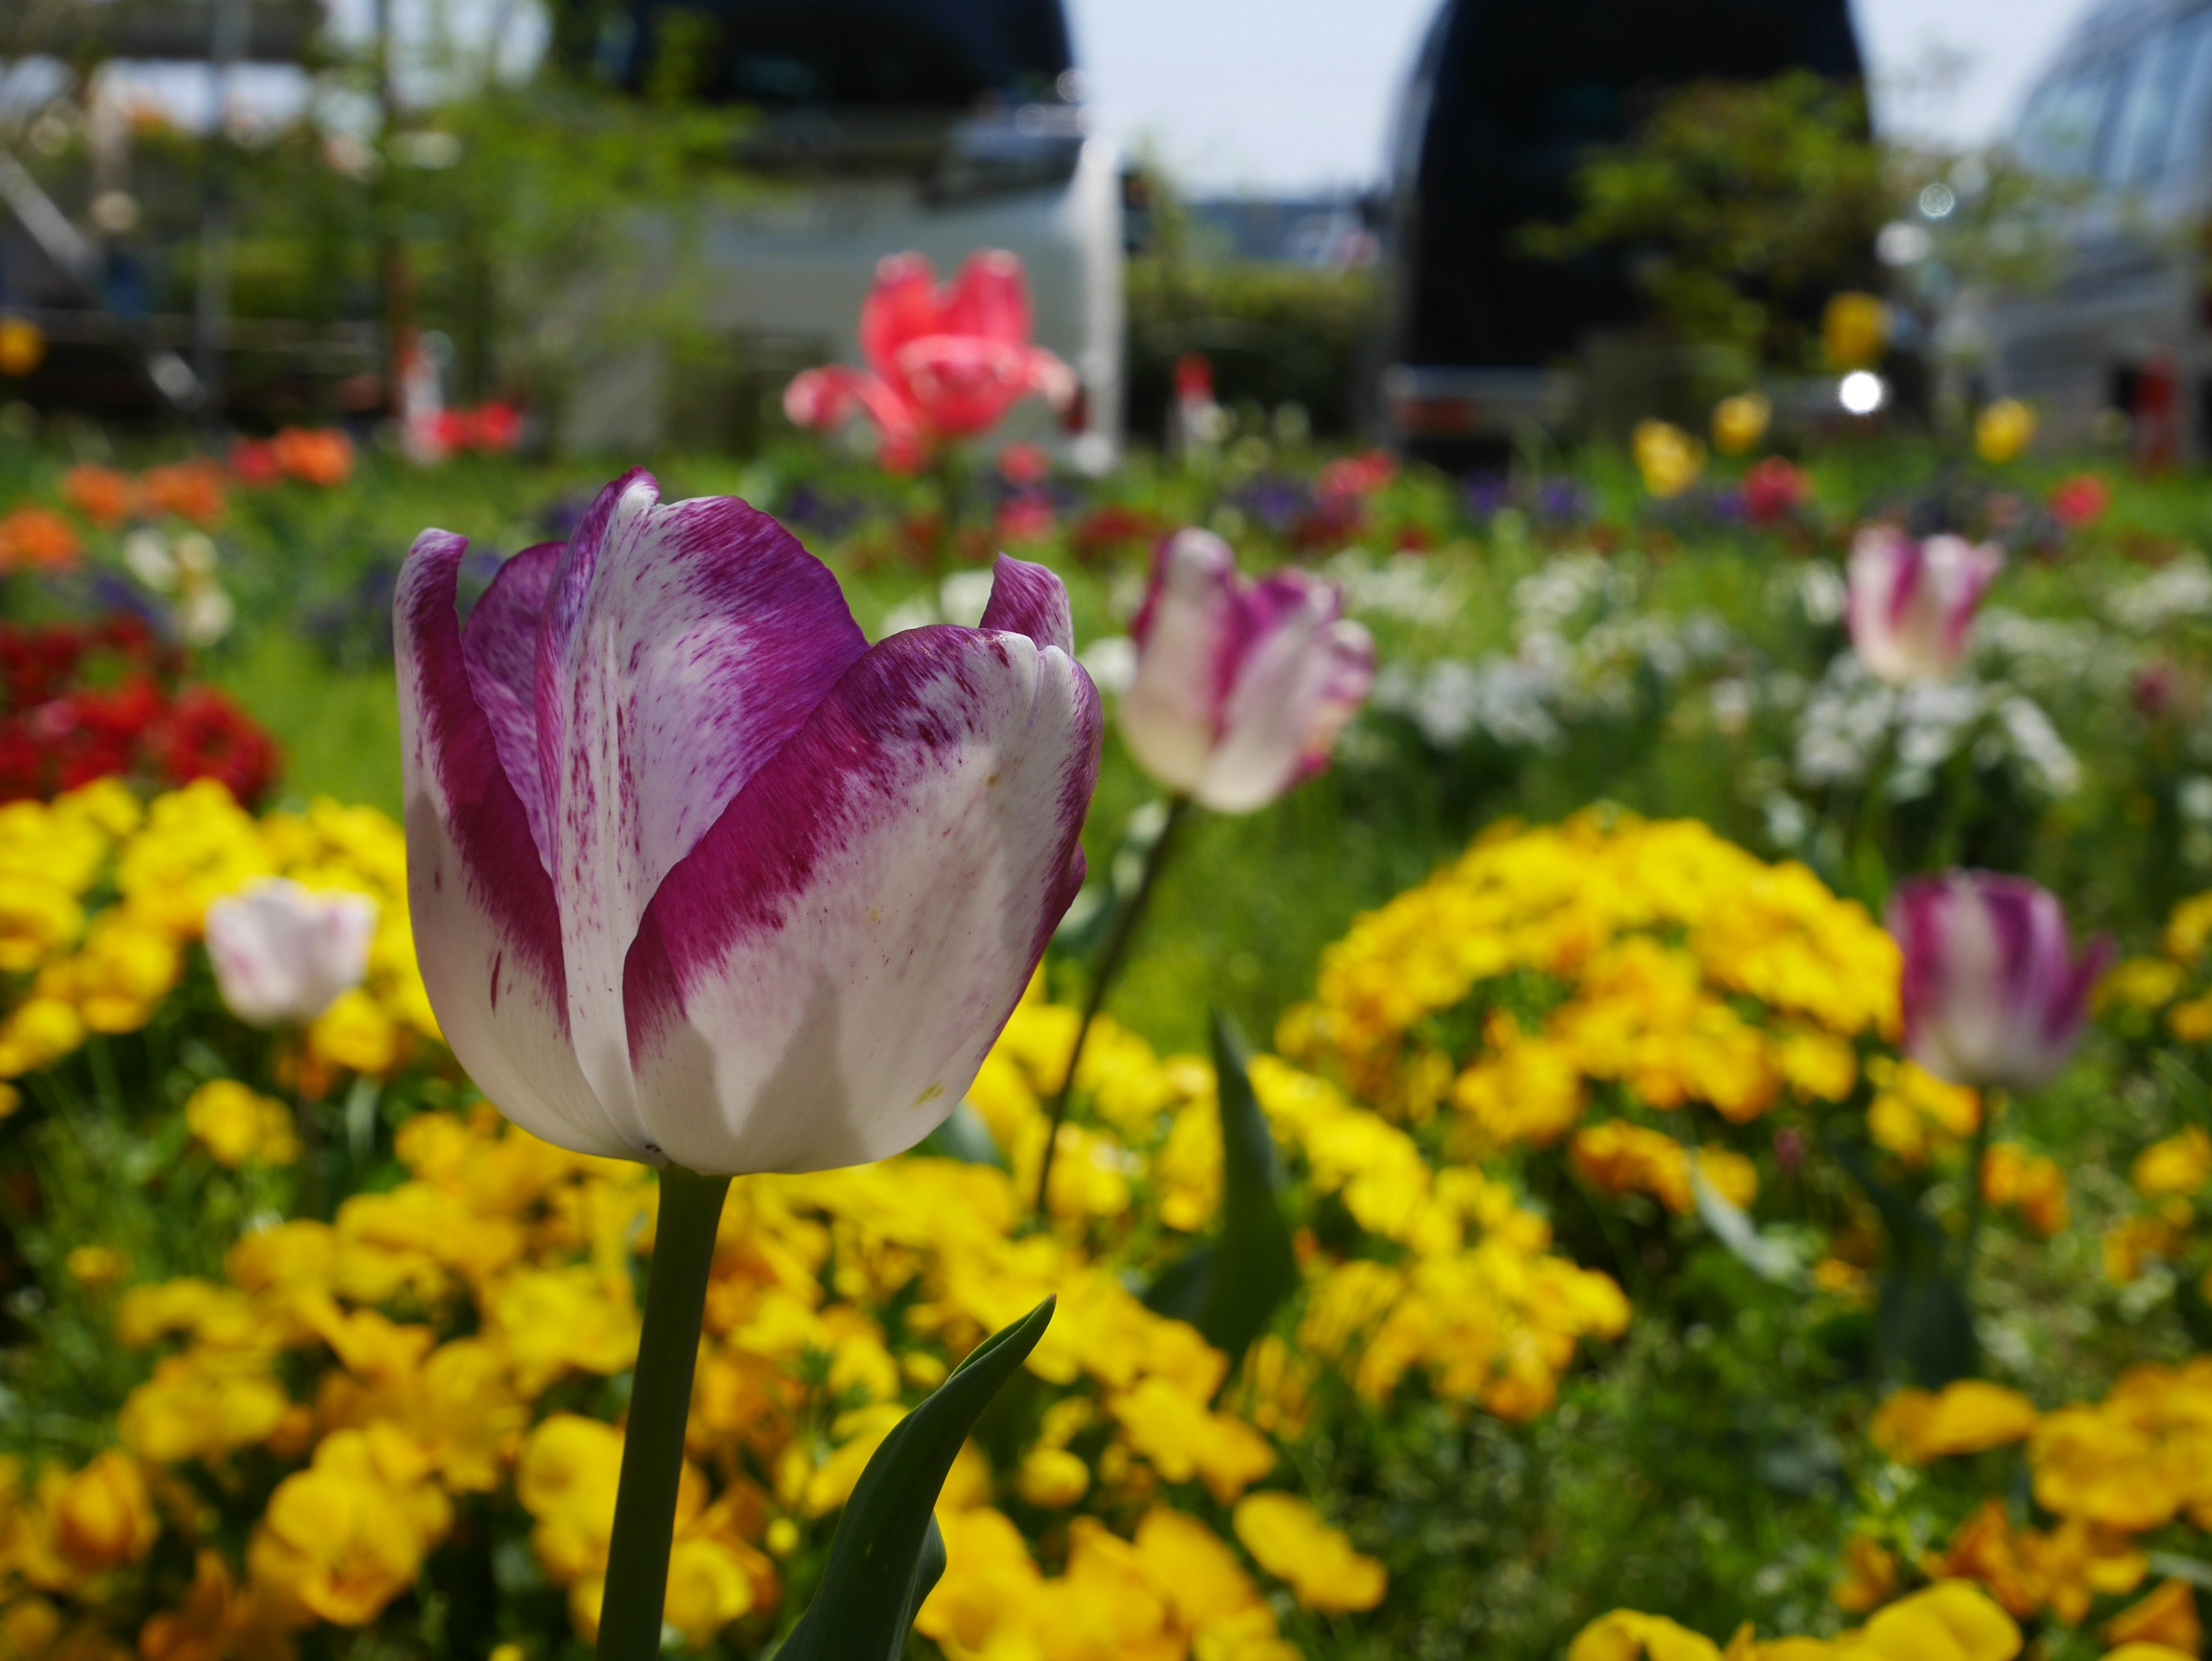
941,363
2079,499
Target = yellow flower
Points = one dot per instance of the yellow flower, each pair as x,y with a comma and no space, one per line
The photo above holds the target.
1624,1635
95,1268
1854,329
1951,1621
707,1589
40,1032
200,1406
2142,982
237,1126
37,919
2002,430
1668,458
1052,1479
103,1516
355,1033
348,1534
1287,1537
2181,1164
2011,1175
1869,1576
549,1321
217,1620
1740,421
566,1481
1180,1439
1967,1417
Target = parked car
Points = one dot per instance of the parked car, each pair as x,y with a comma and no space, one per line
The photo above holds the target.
938,126
1506,98
2123,116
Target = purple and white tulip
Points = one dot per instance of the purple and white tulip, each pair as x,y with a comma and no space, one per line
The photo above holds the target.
1994,993
1240,688
1911,602
281,954
699,876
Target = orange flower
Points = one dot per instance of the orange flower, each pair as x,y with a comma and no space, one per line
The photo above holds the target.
189,489
321,455
100,494
36,537
2167,1616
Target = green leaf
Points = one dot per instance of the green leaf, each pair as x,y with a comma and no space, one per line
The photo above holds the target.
888,1552
1254,1268
1765,1255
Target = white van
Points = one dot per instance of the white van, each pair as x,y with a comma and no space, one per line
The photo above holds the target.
2124,118
939,125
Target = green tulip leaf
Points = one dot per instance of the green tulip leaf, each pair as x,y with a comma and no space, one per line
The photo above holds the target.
888,1552
1254,1268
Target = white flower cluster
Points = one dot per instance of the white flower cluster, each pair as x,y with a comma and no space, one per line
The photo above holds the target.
1554,680
1852,723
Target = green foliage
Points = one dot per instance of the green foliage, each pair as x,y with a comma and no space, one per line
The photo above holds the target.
1741,207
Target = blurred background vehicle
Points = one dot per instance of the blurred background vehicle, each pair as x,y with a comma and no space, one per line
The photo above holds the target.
2114,341
1487,336
938,125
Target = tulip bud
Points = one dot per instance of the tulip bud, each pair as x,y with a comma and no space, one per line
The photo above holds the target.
699,876
1911,603
1240,688
1993,992
281,954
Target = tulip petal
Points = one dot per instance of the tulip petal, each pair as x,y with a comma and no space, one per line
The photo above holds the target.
1302,675
1187,636
902,307
817,982
990,298
683,646
1027,598
498,644
487,930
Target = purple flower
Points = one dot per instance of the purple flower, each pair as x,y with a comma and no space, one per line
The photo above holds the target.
1240,688
698,875
1993,991
1912,602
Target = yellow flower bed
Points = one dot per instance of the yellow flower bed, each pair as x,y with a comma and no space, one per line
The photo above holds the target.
1654,933
447,1343
101,898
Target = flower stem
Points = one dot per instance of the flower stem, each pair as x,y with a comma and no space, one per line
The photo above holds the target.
1109,966
660,1404
1991,1103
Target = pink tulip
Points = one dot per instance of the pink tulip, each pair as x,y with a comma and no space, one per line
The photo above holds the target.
1912,602
282,953
698,875
1240,688
1993,992
941,365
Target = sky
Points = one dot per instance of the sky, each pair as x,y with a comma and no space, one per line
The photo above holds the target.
1282,96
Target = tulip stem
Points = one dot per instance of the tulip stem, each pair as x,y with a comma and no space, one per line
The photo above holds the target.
1109,966
659,1404
1978,1153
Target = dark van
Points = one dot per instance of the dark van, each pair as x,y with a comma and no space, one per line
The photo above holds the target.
1506,98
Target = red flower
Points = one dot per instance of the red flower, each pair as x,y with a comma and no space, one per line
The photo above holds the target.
206,736
1774,488
1024,518
1024,464
1351,477
946,364
252,463
2080,500
494,426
